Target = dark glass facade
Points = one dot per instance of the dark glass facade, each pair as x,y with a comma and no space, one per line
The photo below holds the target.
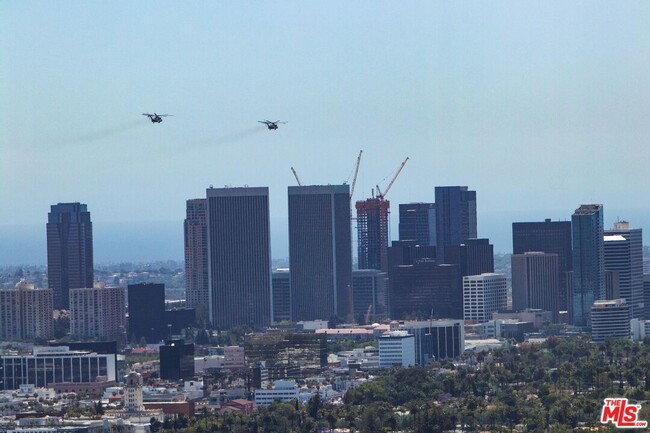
417,222
436,340
473,256
281,282
320,252
372,233
588,261
239,253
370,294
69,251
147,312
425,289
551,237
285,351
45,369
455,217
176,360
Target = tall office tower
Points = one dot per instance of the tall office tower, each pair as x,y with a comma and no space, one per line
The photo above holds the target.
474,256
409,252
436,339
196,256
417,222
320,252
425,290
455,217
372,233
176,360
535,282
69,250
147,312
646,296
483,295
612,285
26,313
610,319
552,237
588,261
97,312
281,284
239,253
623,250
369,295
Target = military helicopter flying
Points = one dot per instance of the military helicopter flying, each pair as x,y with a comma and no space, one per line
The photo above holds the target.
156,118
271,125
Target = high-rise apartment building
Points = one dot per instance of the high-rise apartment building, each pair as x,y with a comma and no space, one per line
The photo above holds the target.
97,312
239,257
417,222
483,295
455,217
551,237
588,261
147,312
196,256
320,252
26,313
69,250
372,233
623,251
535,282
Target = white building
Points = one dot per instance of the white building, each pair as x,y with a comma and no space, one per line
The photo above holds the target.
610,319
283,390
483,295
396,348
640,329
133,401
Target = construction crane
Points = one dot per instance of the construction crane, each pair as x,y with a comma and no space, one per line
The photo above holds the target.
381,195
296,175
367,317
356,171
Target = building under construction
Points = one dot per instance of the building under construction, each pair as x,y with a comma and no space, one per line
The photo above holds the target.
372,233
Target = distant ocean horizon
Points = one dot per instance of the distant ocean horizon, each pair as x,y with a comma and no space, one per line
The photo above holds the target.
148,241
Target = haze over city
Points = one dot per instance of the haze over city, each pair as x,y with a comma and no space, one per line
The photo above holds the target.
538,107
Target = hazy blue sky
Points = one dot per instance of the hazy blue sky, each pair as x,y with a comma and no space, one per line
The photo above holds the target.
538,106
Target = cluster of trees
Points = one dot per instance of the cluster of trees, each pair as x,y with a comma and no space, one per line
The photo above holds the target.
554,387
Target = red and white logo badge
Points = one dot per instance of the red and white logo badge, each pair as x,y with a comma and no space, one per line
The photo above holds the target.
622,414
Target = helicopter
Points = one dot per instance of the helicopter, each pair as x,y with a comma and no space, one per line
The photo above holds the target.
156,118
271,125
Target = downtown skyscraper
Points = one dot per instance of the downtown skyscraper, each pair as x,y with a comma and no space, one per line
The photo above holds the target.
320,252
417,222
588,261
196,256
623,248
455,217
239,257
551,237
69,251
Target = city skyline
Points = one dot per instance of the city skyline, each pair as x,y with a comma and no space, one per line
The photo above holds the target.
519,100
